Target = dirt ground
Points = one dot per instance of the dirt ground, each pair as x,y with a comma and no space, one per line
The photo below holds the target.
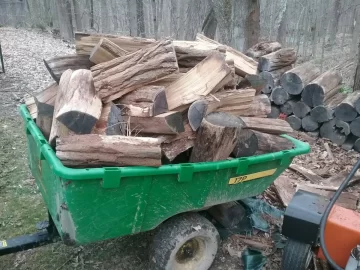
21,205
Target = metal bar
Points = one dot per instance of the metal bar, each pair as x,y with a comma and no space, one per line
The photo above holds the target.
2,61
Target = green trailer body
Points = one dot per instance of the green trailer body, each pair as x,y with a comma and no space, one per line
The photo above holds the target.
94,204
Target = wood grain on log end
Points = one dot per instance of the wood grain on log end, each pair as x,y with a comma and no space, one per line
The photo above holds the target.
300,109
321,114
196,113
294,121
279,96
309,124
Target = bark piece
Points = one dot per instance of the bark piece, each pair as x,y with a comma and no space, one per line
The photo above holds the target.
59,64
267,125
355,127
110,121
309,124
212,71
166,123
279,96
106,50
301,109
79,108
315,92
288,106
144,102
294,121
216,138
263,48
244,65
276,60
115,78
321,114
294,80
173,146
97,150
309,174
346,110
236,102
275,112
86,42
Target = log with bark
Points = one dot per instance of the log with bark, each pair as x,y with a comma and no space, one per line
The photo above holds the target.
247,144
115,78
321,114
314,94
294,121
236,102
279,96
260,106
59,64
294,80
94,150
106,50
45,101
263,48
213,72
86,42
309,124
244,65
346,110
110,122
276,60
267,125
216,137
146,101
300,109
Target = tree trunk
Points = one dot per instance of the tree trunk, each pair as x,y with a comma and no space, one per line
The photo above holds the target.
294,80
77,15
98,150
252,24
263,48
223,13
334,23
315,92
356,86
140,18
59,64
216,137
294,121
276,60
146,101
122,75
106,50
281,22
65,19
267,125
348,109
210,24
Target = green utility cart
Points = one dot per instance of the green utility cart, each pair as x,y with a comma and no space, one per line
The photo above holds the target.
95,204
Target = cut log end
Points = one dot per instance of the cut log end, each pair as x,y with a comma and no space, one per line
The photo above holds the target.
87,121
309,124
292,83
300,109
321,114
196,113
345,112
294,121
279,96
355,127
275,112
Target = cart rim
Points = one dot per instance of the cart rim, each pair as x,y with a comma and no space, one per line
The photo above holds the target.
190,254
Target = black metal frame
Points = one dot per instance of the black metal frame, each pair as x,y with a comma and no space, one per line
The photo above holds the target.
2,61
25,242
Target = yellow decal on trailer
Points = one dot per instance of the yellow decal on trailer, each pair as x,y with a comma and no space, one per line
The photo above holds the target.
3,244
249,177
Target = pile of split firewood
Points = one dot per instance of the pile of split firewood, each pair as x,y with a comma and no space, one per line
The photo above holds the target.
125,101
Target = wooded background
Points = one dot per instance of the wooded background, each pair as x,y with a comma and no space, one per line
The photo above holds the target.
310,26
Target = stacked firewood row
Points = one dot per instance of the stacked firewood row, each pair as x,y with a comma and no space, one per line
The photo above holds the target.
125,101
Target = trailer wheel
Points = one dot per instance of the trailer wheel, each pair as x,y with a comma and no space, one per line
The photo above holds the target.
297,256
188,241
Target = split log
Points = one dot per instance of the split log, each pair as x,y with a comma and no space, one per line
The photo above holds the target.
189,88
343,127
346,110
115,78
79,108
294,80
244,65
166,123
309,124
166,81
275,112
355,127
216,137
349,143
315,92
276,60
172,146
59,64
294,121
267,125
287,108
110,121
236,102
85,42
263,48
45,102
97,150
146,101
57,128
279,96
260,105
301,110
247,144
106,50
321,114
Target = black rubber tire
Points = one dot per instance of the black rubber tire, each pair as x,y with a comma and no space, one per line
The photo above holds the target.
177,231
296,256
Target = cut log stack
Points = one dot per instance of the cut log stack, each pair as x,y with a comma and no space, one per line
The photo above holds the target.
124,101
